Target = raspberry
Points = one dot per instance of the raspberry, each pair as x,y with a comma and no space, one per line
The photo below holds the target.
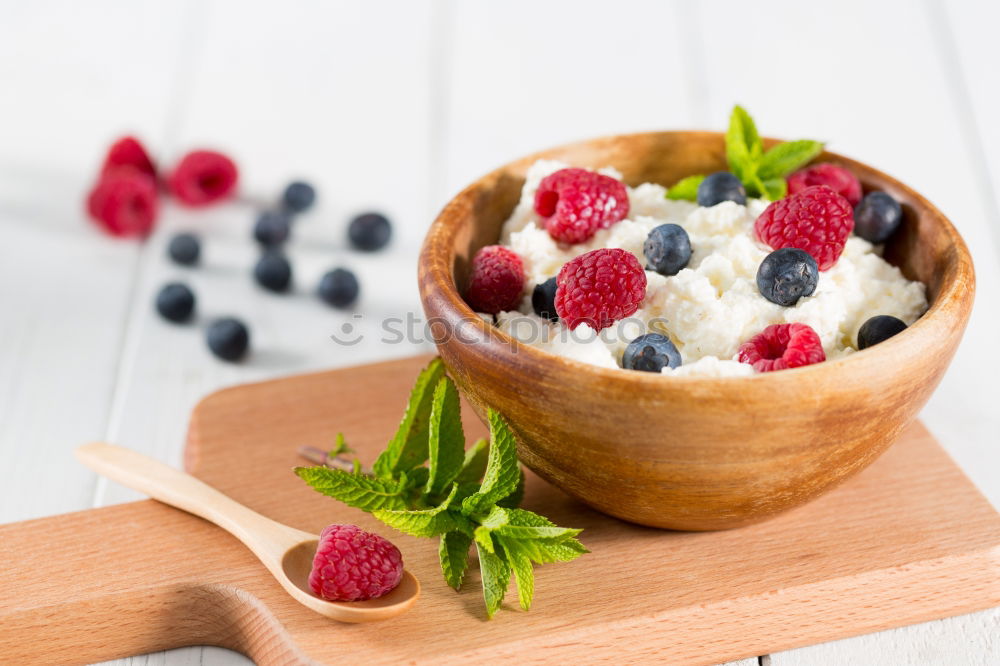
203,177
782,346
599,288
837,178
354,565
497,280
576,203
817,220
127,151
123,202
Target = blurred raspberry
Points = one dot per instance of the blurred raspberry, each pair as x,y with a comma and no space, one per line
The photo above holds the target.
123,202
128,152
203,177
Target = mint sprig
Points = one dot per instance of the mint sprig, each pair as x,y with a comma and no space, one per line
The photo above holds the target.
427,484
761,172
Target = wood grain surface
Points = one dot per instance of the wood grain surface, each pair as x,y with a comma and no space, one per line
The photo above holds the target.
907,540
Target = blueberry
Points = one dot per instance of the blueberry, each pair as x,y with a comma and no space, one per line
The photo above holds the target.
667,249
877,329
298,196
543,300
651,353
272,228
339,288
184,249
721,186
786,275
369,231
273,272
228,338
876,217
175,302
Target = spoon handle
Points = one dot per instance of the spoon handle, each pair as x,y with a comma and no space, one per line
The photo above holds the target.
267,538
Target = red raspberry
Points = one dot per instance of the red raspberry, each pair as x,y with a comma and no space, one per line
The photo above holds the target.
203,177
817,220
354,565
599,288
497,280
837,178
782,346
123,202
127,151
576,203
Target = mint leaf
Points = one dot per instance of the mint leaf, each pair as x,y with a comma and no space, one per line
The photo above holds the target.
524,576
497,517
484,539
453,552
744,149
474,465
446,440
357,490
502,472
775,188
425,522
686,189
525,518
543,551
408,447
339,447
514,499
786,157
496,577
521,533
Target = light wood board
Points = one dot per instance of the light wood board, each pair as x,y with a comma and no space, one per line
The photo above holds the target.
909,539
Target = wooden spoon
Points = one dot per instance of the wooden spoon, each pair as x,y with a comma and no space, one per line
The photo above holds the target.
285,551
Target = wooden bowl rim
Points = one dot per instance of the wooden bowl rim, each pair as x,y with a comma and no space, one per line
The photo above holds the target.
438,287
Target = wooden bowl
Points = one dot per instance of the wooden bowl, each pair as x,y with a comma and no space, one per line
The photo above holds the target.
692,453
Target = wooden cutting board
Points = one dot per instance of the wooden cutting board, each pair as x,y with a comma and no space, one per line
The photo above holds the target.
909,539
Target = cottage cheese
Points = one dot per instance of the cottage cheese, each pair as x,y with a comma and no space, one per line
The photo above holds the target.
709,308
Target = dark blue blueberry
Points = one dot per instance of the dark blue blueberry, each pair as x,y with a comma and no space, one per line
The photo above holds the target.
369,231
877,217
298,196
228,338
667,249
184,249
272,228
877,329
543,300
339,288
786,275
273,272
721,186
175,302
651,353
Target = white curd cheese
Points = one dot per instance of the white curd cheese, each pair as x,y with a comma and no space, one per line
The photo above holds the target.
710,307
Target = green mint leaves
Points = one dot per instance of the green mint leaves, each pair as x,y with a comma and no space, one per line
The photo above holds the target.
357,490
686,188
427,484
761,172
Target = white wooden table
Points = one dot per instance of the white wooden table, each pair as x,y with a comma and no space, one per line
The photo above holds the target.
395,105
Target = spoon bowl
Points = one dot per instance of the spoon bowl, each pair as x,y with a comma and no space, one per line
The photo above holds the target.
285,551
